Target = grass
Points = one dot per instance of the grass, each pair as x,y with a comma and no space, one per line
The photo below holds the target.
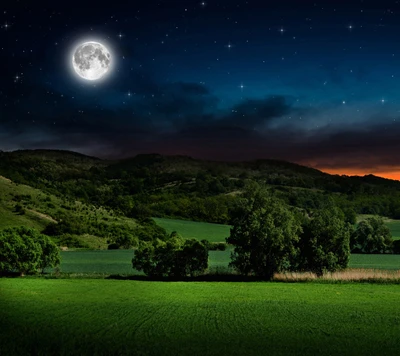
110,317
218,233
42,208
387,262
349,275
197,230
119,262
394,226
101,262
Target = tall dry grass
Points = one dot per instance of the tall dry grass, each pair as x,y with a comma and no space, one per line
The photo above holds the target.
349,275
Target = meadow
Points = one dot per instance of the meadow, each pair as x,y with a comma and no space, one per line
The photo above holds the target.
113,317
196,230
218,233
119,262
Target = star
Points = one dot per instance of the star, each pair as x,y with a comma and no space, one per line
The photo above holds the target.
383,101
241,86
282,30
6,26
203,4
120,35
343,102
350,27
229,46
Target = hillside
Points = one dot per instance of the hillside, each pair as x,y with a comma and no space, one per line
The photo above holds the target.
22,205
192,189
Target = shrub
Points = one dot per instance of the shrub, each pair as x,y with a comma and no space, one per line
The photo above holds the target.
372,236
214,246
19,209
71,241
174,257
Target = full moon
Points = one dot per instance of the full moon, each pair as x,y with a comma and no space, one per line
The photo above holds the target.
91,60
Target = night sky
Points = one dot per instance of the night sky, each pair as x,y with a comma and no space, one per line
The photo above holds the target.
312,82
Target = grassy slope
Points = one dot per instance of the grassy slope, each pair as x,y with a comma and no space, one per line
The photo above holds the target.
104,317
8,217
43,208
197,230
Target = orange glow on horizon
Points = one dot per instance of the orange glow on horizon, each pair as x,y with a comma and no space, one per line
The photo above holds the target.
389,175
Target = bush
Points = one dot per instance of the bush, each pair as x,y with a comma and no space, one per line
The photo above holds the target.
25,250
71,241
372,236
214,246
19,209
174,257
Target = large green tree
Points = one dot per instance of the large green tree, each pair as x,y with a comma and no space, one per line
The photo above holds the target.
25,250
325,242
372,236
264,234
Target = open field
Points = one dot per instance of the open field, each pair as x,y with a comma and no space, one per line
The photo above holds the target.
110,317
218,233
197,230
119,261
394,226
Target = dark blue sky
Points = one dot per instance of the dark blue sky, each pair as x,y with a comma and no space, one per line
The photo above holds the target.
314,82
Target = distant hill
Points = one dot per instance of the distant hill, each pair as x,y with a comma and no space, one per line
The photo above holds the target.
184,187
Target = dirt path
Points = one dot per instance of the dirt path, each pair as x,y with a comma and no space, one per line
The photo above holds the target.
43,216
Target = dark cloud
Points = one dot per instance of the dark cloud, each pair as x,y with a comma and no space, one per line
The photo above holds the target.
184,118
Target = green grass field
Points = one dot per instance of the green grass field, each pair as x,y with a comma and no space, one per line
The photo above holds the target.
394,226
110,317
119,261
197,230
218,233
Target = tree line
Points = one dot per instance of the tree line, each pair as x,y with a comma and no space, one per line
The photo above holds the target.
268,236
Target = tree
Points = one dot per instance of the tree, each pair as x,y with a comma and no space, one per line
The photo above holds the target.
325,242
264,234
173,257
372,236
25,250
50,256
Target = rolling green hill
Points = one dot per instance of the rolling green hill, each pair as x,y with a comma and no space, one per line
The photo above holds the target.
180,187
22,205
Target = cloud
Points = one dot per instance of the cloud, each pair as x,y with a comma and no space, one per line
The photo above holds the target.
185,118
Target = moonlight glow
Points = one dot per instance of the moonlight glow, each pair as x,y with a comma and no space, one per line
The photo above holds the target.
91,60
